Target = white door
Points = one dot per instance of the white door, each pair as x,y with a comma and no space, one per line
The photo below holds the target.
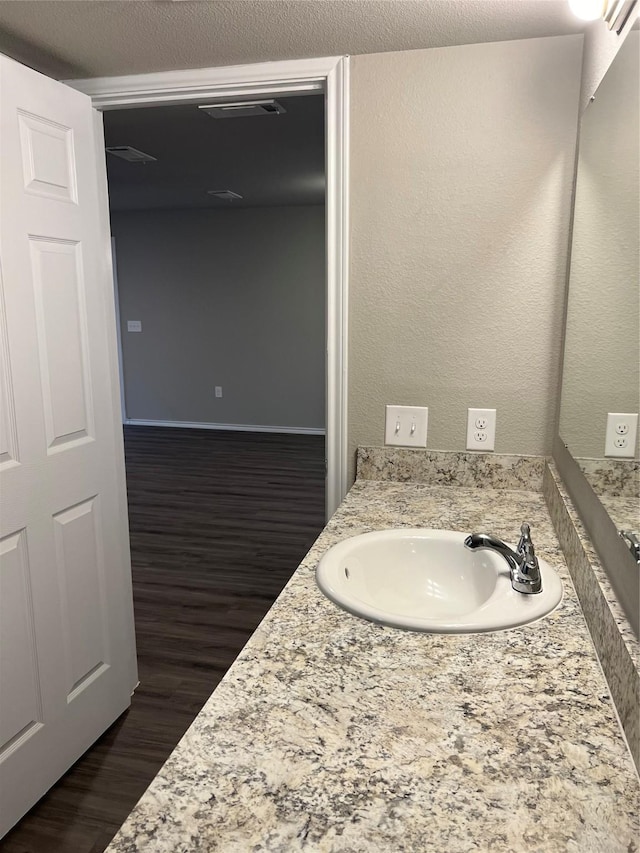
67,648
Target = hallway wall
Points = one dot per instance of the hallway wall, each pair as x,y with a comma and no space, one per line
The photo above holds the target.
234,298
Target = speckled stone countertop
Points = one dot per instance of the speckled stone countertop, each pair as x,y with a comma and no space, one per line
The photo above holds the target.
330,733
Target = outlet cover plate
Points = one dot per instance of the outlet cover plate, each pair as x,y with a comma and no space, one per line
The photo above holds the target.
620,438
481,429
406,426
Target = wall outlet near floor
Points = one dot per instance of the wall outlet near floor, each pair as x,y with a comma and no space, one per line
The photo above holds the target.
218,390
406,426
620,438
481,429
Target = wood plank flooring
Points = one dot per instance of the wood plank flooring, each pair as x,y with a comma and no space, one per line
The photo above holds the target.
218,522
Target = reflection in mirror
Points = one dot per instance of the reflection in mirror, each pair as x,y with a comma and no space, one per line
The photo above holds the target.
601,371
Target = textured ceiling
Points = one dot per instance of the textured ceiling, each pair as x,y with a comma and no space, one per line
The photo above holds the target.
269,160
93,38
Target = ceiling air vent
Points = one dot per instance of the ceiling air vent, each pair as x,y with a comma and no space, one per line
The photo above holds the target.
131,155
225,195
243,108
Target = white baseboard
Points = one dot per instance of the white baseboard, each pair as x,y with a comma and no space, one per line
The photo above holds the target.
231,427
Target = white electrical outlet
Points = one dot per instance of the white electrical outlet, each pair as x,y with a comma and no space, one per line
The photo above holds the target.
620,438
218,390
406,426
134,325
481,429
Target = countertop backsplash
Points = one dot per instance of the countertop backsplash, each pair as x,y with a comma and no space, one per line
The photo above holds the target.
443,468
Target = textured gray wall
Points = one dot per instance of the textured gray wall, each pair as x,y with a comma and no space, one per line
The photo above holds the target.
462,165
233,298
601,370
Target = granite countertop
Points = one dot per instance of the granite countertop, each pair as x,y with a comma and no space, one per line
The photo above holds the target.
330,733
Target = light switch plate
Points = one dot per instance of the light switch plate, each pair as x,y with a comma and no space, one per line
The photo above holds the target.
134,325
620,438
481,429
406,426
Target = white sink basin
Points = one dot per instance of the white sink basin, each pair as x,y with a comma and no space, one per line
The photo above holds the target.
426,580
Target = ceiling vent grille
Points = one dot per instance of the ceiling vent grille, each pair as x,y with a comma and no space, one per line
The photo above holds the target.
240,109
131,155
225,195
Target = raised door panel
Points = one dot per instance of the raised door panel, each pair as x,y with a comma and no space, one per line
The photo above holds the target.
58,282
48,160
8,427
21,714
80,565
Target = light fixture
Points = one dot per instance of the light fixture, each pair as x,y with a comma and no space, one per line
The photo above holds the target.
618,13
240,109
131,155
225,195
588,10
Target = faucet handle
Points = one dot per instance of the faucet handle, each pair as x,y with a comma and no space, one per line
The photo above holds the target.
528,577
525,545
525,538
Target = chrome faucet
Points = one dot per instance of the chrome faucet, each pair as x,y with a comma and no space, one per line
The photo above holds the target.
523,563
632,541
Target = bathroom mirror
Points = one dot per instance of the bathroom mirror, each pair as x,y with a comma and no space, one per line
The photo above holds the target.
601,372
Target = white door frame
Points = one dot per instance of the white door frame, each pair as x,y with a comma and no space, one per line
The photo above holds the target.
328,74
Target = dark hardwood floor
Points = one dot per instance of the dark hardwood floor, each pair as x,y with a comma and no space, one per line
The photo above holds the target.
219,522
